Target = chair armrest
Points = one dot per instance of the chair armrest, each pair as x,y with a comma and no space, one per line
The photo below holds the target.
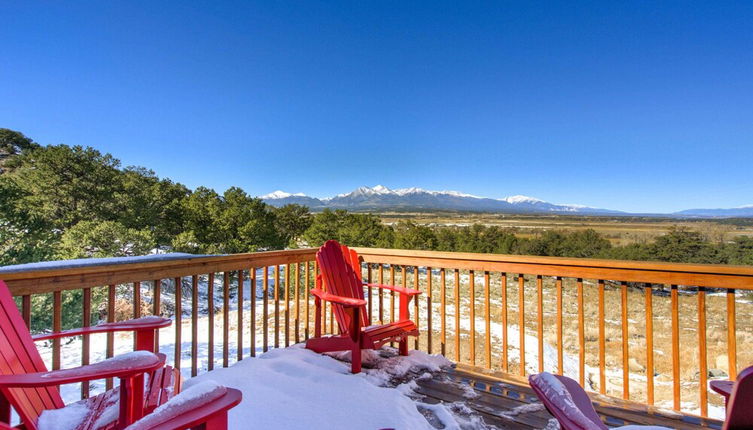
401,290
124,365
723,387
199,404
348,302
150,322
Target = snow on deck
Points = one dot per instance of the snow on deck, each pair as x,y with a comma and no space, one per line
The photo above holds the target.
88,262
297,388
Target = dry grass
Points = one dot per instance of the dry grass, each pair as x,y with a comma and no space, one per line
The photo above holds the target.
619,230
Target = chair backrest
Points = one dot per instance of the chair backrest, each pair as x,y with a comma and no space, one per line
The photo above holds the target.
341,274
739,411
567,401
18,356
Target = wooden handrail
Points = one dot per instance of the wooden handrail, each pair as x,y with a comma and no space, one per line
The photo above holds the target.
71,278
706,275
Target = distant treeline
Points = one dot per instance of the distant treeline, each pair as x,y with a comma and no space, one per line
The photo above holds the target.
61,202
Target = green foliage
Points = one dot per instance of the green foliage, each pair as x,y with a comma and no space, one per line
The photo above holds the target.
740,251
366,230
96,239
12,143
145,201
633,251
19,245
201,209
62,185
479,238
247,224
186,242
349,229
291,222
582,244
23,237
231,223
325,226
409,235
681,245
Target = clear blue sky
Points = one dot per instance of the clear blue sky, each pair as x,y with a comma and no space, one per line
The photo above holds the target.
639,106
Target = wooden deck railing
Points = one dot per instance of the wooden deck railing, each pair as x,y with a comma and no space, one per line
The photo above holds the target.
639,330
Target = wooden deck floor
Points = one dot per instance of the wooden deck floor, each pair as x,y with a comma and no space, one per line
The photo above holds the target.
507,402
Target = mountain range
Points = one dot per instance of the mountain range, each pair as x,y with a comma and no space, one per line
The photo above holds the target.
383,198
380,198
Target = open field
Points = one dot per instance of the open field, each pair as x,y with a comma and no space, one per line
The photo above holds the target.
619,230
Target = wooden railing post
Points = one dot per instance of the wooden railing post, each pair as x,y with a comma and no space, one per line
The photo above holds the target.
731,334
649,308
522,323
675,347
702,363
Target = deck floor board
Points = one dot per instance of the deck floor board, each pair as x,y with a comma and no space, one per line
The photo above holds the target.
507,402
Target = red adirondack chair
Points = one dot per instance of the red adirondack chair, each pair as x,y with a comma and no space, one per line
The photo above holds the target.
27,386
340,284
570,405
566,401
203,406
739,412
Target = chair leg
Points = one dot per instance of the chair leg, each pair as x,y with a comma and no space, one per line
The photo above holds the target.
317,317
355,337
4,409
355,359
404,346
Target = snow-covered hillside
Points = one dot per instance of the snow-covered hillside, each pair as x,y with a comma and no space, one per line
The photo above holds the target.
383,198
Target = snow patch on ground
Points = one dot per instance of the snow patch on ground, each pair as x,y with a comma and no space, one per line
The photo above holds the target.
384,371
468,391
297,388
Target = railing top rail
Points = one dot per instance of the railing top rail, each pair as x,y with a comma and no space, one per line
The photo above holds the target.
45,280
707,275
558,261
173,262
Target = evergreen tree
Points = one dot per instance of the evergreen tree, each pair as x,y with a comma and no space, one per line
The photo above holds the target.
62,185
13,143
291,222
146,202
409,235
681,245
97,239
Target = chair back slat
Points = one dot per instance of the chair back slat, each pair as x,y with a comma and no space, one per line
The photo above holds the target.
341,273
739,412
18,356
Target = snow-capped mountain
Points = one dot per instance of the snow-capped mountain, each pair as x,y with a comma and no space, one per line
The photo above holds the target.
281,198
383,198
